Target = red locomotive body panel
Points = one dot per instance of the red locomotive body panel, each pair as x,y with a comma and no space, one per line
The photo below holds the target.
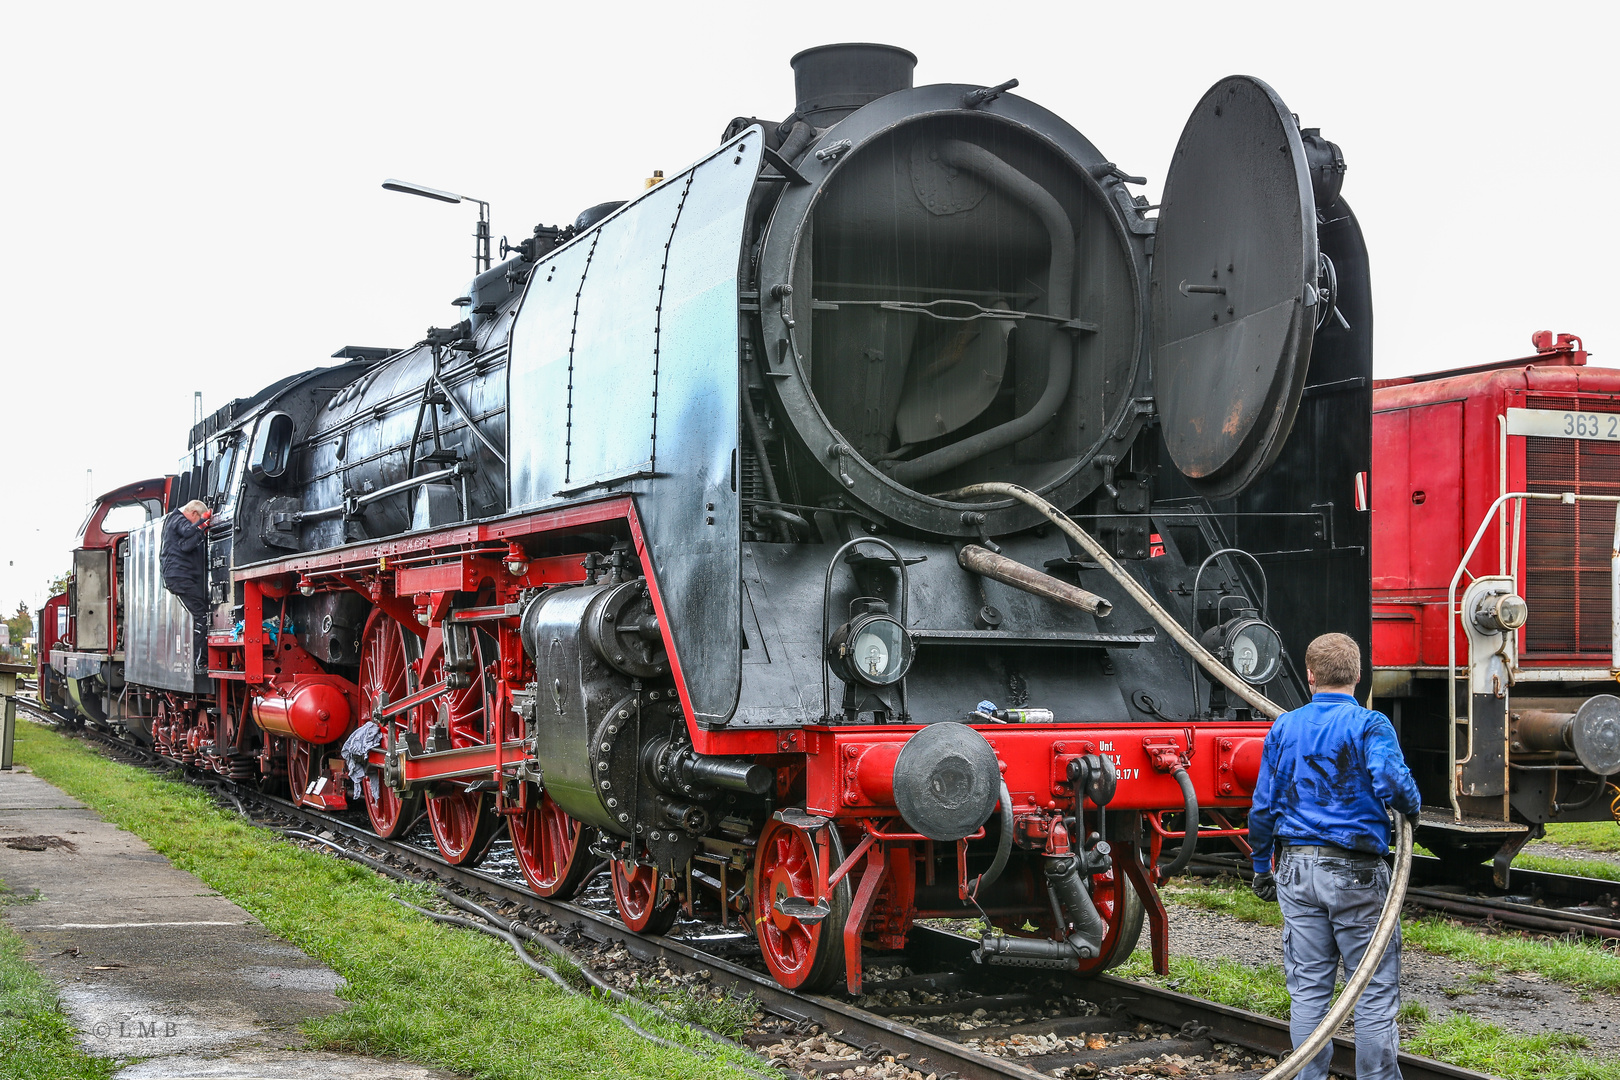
1443,451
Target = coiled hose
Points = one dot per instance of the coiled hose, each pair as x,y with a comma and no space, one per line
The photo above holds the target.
1388,920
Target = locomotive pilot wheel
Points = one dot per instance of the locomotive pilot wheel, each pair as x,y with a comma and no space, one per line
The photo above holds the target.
1121,909
551,847
464,823
801,956
387,650
302,764
641,906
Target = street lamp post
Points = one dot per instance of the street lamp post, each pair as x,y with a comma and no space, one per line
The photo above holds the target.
481,237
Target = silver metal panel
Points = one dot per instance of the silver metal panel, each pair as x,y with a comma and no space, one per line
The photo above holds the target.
688,506
610,420
157,626
91,594
540,356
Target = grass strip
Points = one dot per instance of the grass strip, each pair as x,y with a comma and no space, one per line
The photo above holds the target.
1552,864
1591,835
1459,1039
1575,963
36,1041
416,989
1258,989
1463,1041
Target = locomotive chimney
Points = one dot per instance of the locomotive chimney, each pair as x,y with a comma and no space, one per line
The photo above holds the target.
832,81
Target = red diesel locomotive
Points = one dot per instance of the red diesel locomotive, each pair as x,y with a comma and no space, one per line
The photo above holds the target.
732,536
1496,497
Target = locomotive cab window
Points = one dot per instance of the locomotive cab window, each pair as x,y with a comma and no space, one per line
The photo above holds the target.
272,445
126,517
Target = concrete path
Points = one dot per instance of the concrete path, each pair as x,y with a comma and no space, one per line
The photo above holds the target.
150,963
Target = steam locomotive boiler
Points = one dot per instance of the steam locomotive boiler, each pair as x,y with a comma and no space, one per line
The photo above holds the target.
884,517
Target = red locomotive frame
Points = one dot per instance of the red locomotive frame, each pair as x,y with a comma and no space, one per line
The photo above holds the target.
478,573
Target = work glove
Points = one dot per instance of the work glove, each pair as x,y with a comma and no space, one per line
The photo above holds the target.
1265,887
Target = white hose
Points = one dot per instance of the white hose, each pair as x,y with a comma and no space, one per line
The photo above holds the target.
1172,626
1390,918
1383,932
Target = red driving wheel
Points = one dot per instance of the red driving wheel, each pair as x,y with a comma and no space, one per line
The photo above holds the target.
550,847
635,890
387,650
801,955
464,823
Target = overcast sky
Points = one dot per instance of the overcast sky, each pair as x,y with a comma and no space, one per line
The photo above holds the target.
193,201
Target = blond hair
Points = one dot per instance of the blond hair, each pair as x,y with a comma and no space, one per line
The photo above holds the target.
195,506
1335,660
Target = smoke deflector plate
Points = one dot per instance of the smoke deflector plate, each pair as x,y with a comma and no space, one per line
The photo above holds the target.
1234,271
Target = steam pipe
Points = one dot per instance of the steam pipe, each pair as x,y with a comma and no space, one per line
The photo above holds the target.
1059,289
733,774
982,561
1172,626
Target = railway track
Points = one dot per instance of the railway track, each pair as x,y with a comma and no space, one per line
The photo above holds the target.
1538,900
931,1009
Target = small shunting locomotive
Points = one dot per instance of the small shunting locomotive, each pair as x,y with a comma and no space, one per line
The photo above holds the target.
1496,497
888,516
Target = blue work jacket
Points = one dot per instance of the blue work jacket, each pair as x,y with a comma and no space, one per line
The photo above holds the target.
1327,772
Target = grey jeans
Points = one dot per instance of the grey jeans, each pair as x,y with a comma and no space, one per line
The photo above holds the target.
1329,908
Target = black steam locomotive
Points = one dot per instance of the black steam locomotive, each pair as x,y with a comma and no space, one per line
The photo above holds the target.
884,517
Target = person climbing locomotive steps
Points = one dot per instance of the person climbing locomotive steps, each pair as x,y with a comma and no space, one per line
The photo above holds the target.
1327,772
184,562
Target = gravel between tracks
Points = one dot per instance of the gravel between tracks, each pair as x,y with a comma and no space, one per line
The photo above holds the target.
1525,1003
1560,851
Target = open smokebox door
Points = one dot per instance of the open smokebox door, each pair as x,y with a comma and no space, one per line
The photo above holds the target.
1233,287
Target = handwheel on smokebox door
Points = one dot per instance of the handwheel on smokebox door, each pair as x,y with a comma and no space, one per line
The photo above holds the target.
464,823
641,908
801,955
551,847
387,651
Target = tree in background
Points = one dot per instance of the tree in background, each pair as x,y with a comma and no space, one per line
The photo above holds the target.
21,628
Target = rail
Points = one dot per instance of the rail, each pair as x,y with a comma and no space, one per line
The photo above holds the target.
866,1028
1566,498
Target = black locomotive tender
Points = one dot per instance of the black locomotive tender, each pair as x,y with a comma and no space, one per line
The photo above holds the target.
718,438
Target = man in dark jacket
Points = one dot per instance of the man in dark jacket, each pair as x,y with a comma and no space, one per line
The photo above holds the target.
183,559
1327,773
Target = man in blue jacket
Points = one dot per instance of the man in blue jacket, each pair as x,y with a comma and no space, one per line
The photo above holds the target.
1327,773
183,558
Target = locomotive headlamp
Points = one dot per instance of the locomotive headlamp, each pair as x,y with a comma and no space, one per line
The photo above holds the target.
872,648
517,561
1498,612
1248,646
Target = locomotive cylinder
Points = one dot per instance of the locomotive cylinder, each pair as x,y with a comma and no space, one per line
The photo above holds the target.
314,712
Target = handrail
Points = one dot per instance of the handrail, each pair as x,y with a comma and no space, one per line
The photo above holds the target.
1566,498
